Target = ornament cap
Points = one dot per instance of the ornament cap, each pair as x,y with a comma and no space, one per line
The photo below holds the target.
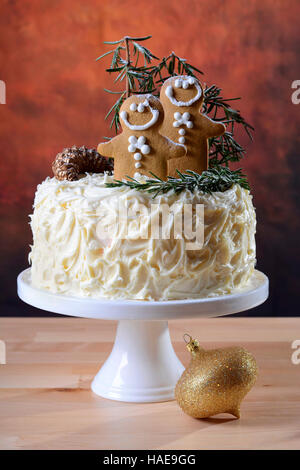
192,344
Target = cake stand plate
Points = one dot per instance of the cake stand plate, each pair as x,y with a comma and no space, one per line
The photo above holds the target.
142,366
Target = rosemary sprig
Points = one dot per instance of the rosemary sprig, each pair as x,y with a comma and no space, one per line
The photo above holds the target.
225,148
116,110
214,179
142,72
125,65
169,67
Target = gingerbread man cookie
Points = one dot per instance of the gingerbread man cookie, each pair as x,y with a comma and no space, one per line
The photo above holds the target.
140,148
182,98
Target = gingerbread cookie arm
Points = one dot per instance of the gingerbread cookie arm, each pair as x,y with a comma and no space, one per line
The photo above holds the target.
107,149
171,149
213,128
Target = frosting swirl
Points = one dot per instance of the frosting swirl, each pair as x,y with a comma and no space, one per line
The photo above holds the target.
68,257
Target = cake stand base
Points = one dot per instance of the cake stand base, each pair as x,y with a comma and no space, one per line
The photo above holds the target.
142,366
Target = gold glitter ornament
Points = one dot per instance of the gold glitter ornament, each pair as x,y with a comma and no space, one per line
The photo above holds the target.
215,381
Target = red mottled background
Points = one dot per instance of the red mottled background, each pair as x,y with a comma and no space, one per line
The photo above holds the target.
55,99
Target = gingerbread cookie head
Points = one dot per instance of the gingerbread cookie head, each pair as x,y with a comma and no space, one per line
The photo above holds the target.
140,113
182,92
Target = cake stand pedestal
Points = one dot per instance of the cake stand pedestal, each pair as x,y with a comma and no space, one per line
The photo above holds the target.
142,366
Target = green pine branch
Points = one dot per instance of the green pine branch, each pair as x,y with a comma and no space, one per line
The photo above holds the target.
214,179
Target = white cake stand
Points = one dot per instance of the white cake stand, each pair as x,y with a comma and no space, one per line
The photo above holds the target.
142,366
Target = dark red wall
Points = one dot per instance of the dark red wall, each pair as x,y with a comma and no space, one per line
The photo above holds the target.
55,98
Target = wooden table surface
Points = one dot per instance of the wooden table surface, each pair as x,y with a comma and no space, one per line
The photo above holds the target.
46,402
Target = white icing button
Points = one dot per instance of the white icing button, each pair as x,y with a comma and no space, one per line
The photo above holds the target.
137,174
178,83
186,116
131,148
191,80
133,107
137,156
123,114
181,140
176,124
145,149
177,115
181,131
189,124
132,139
185,84
141,140
140,108
138,165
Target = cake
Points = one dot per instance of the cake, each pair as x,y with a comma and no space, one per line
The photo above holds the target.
68,257
171,155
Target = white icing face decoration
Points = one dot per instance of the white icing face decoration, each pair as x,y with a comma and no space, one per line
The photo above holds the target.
185,83
138,144
140,108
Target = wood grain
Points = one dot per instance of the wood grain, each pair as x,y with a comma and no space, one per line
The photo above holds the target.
46,402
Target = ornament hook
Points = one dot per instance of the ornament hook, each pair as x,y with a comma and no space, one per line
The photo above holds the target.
189,338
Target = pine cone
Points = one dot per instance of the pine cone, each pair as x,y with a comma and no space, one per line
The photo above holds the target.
71,162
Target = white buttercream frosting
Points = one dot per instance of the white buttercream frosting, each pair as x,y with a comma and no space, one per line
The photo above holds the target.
68,257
